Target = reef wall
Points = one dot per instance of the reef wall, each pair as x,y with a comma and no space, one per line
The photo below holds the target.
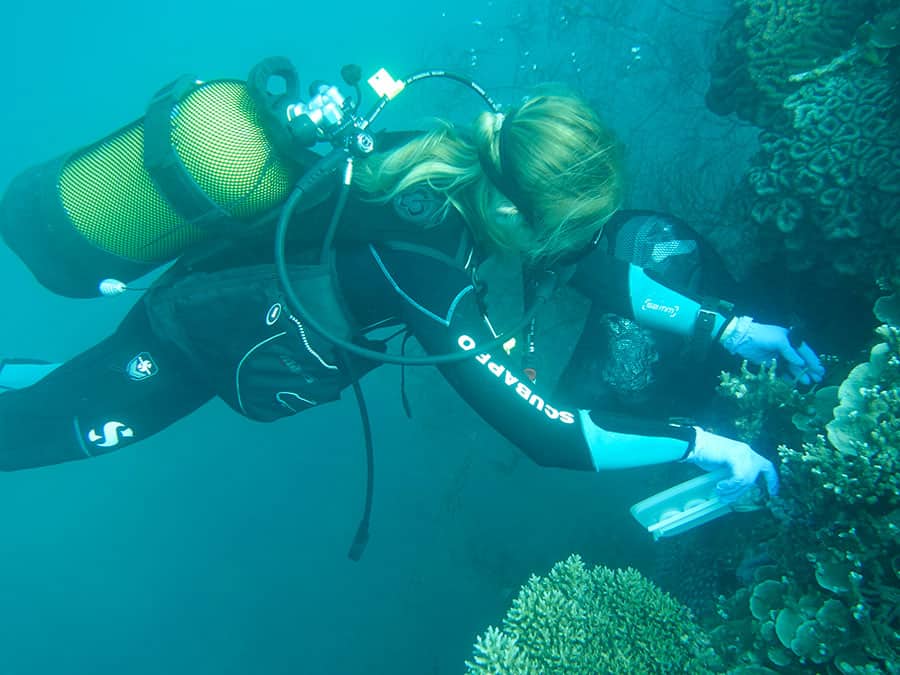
827,597
821,81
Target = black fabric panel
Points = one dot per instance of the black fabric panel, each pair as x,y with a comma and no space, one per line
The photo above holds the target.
603,279
235,325
501,394
92,404
490,383
362,221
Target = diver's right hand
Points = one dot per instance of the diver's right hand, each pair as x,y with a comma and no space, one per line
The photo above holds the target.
762,343
713,452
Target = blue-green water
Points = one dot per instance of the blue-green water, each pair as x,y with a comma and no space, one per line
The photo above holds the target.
219,546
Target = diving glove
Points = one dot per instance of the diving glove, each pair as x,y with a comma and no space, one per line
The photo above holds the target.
762,343
712,452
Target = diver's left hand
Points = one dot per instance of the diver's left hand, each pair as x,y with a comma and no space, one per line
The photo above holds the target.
762,343
712,452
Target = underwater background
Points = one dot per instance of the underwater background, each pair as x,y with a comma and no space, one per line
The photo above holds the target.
219,546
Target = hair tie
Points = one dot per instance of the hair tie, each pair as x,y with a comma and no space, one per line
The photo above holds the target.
510,188
498,122
500,175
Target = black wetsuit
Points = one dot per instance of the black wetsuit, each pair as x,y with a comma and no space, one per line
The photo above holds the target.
218,326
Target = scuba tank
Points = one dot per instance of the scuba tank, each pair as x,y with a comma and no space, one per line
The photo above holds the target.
199,165
211,160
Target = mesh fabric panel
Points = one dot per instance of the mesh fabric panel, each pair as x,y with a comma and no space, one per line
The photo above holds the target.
113,203
218,136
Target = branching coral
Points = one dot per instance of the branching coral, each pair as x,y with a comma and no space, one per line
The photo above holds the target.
762,398
580,620
830,599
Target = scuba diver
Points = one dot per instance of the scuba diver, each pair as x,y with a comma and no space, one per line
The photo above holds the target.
273,333
621,365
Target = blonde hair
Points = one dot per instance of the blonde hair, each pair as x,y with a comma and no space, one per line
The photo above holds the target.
558,164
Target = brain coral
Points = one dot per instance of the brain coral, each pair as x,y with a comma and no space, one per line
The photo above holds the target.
823,192
832,176
766,41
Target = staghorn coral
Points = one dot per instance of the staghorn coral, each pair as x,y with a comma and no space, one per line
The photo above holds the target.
763,400
580,620
830,599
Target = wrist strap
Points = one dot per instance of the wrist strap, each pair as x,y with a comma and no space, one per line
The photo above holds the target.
686,430
705,331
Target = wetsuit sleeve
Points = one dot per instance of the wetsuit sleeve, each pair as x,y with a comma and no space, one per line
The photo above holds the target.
438,304
630,291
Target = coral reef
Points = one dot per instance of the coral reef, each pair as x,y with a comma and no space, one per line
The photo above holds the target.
820,79
763,401
874,40
580,620
765,42
832,177
830,598
698,566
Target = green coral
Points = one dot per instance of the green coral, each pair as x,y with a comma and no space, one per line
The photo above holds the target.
765,42
762,400
887,309
820,79
580,620
798,621
830,599
873,42
866,421
832,176
860,462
